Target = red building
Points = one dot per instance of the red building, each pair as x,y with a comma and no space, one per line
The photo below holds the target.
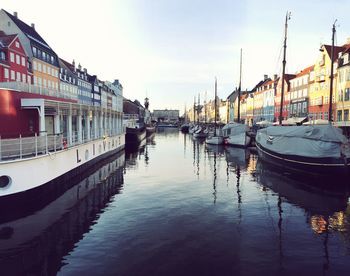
286,98
14,65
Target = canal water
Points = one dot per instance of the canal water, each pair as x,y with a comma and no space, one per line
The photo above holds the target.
175,206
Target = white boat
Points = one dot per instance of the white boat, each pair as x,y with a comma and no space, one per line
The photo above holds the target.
27,163
200,132
236,134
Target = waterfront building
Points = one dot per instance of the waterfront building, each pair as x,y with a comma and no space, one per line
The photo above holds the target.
299,92
84,86
286,97
319,95
259,99
14,66
95,90
268,95
222,111
231,106
249,118
42,59
168,115
343,90
68,80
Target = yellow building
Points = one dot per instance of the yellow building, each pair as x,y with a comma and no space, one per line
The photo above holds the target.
319,93
343,90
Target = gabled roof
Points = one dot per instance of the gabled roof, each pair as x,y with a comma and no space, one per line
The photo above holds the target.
6,40
67,64
30,32
337,49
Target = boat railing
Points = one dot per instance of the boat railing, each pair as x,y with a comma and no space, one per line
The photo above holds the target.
28,147
26,87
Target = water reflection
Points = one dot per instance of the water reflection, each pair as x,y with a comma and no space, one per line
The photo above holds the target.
35,244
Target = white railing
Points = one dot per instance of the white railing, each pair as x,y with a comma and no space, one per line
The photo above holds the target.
26,147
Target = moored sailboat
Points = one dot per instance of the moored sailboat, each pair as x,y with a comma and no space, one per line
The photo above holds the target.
236,134
216,138
314,149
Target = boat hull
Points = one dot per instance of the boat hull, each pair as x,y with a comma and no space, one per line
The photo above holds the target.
27,174
150,130
238,140
330,166
215,140
135,135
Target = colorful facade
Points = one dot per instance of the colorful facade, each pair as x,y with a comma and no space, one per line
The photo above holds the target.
343,89
299,92
14,66
286,97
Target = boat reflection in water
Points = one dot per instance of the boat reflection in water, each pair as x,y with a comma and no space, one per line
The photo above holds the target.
36,243
326,205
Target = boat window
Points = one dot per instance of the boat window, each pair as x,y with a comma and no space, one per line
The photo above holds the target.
5,181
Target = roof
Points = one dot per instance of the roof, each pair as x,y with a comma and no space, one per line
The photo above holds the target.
67,64
30,32
305,71
6,40
337,49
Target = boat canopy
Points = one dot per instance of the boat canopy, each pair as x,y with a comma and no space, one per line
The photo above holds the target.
311,141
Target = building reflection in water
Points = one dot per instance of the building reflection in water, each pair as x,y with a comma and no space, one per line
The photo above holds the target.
325,204
35,244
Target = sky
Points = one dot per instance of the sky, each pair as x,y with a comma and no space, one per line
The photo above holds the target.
171,50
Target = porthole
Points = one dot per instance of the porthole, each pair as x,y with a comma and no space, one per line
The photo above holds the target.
5,181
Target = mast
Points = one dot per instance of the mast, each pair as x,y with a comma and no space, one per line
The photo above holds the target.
194,109
331,84
284,64
215,113
198,107
239,89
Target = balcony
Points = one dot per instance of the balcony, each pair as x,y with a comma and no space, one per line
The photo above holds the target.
26,87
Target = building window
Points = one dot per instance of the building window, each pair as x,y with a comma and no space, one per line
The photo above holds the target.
339,115
18,59
17,44
44,55
49,70
45,83
347,94
304,107
12,57
34,51
13,75
23,61
18,76
2,56
24,77
44,68
346,115
29,79
326,116
39,67
6,73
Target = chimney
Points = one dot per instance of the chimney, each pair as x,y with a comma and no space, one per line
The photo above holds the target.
33,26
15,14
265,77
73,63
79,67
85,70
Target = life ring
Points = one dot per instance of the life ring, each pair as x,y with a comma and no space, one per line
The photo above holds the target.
65,144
